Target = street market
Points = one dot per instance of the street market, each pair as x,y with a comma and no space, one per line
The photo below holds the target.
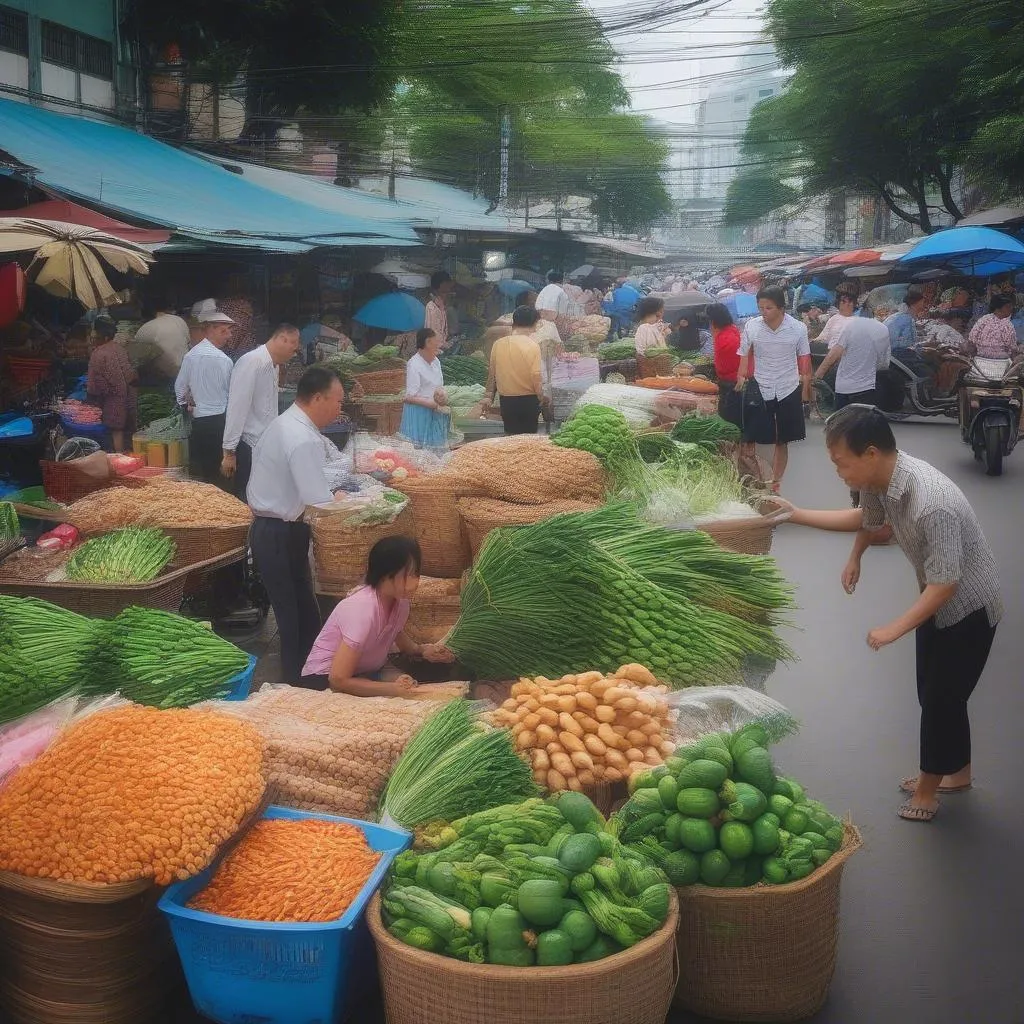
423,590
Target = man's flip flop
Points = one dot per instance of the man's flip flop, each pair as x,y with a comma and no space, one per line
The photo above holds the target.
910,786
908,812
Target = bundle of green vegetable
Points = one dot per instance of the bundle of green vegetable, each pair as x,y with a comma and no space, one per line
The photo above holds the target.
522,885
452,767
705,430
154,404
670,600
716,813
131,555
662,350
463,370
10,527
377,354
599,430
616,351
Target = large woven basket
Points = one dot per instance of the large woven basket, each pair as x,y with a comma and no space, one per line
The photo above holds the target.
437,524
64,482
655,366
632,987
751,536
435,606
382,418
765,953
481,515
340,552
378,382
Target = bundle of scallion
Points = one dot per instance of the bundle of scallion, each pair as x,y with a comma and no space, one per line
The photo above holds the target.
10,528
454,767
131,555
603,588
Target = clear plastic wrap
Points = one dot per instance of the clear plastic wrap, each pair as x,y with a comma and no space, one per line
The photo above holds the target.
705,709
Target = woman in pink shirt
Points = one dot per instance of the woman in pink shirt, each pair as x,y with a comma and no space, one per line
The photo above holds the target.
351,653
993,336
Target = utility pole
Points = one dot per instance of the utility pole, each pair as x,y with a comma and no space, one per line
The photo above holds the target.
506,140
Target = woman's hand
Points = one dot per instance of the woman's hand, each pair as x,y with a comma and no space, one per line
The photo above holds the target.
437,653
440,397
401,687
851,575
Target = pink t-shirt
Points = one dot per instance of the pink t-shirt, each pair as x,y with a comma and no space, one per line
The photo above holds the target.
360,622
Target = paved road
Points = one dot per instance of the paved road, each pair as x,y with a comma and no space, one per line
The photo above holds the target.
932,926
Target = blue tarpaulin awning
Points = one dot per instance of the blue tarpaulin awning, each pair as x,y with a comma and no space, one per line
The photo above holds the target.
138,176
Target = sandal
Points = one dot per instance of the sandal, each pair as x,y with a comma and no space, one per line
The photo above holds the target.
910,786
908,812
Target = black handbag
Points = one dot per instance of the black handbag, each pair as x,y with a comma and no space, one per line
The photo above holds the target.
753,400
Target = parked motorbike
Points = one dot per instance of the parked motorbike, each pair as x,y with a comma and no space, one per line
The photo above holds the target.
990,402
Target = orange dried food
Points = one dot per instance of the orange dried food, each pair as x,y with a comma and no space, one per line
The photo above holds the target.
290,870
132,793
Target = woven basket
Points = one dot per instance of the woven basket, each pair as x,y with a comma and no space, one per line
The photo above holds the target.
340,553
481,515
435,606
627,367
382,418
751,536
632,987
765,953
378,382
63,482
437,524
655,366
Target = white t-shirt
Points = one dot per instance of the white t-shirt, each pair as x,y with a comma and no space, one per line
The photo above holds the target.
865,345
775,354
553,299
422,379
648,336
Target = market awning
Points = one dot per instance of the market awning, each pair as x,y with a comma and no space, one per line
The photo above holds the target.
134,175
72,213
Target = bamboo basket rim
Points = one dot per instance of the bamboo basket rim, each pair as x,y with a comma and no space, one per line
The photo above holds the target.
497,972
74,892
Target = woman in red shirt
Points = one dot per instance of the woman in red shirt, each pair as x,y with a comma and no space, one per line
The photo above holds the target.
726,337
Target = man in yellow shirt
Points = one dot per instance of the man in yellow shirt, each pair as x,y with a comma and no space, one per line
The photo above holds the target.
515,374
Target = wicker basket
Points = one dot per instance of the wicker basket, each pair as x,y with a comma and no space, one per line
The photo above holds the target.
481,515
765,953
751,536
382,418
655,366
63,482
437,524
627,367
340,553
435,606
632,987
378,382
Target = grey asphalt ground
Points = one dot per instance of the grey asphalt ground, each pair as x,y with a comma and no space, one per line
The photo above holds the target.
932,927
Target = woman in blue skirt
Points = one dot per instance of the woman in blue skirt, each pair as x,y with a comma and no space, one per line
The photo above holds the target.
426,419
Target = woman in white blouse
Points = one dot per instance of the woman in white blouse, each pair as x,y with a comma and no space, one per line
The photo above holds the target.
650,332
426,419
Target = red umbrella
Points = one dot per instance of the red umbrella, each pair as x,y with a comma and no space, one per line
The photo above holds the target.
745,275
818,261
855,257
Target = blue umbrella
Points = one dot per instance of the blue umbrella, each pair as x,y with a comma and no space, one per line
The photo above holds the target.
514,288
395,311
741,304
969,248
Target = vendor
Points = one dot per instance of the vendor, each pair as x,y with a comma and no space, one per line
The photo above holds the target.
650,312
111,382
351,653
426,419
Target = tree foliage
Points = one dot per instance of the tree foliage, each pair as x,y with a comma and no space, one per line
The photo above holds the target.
892,100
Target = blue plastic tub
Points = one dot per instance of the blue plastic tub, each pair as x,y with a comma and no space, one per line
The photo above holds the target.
253,972
94,430
242,683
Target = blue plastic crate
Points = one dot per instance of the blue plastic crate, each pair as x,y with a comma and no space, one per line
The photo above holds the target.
94,430
253,972
241,684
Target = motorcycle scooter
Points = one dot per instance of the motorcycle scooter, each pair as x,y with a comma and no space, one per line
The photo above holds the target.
990,402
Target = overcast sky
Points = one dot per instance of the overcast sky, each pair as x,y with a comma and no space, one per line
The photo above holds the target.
707,44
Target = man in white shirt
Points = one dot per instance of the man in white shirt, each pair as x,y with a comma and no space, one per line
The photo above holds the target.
553,301
289,473
861,347
252,402
202,385
166,335
773,412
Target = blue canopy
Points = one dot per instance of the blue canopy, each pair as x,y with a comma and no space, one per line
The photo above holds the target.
514,288
975,250
139,177
395,311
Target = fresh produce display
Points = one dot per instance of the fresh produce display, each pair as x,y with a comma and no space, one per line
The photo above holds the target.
452,767
10,527
133,554
154,404
616,351
290,870
706,430
523,885
131,793
161,502
661,352
672,600
589,728
716,813
462,370
330,752
83,413
603,432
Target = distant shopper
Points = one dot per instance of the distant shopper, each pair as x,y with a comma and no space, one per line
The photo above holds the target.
167,334
515,374
861,348
726,337
111,383
289,473
773,411
553,303
649,334
426,419
441,288
253,403
685,336
959,605
202,386
902,325
993,336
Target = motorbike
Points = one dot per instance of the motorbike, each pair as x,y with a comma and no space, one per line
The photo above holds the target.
990,402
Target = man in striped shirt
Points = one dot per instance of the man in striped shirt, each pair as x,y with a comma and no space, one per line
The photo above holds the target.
959,605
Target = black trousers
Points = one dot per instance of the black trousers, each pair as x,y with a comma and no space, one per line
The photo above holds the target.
281,553
949,664
205,450
860,398
243,470
519,414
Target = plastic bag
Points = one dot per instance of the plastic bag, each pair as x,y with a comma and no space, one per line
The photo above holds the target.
704,709
24,739
60,538
391,457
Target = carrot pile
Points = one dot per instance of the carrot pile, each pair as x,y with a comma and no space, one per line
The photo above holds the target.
290,870
698,385
129,794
